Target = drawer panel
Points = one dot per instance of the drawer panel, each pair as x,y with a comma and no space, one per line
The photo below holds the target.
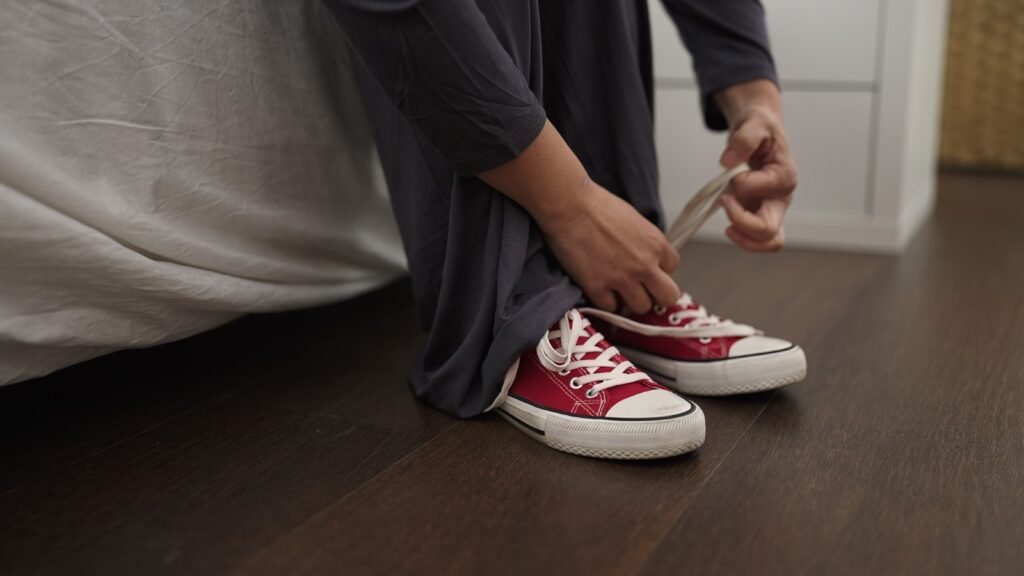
833,41
830,134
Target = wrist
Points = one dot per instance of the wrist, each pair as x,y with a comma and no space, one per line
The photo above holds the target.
739,100
562,205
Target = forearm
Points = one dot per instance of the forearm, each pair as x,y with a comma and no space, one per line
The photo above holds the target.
547,179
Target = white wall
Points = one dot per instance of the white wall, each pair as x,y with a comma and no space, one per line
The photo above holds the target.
860,81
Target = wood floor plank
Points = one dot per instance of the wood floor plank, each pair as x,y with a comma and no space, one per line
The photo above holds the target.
354,363
193,496
48,423
253,429
481,498
291,444
484,497
906,455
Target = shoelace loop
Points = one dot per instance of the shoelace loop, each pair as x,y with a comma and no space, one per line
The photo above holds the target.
699,208
571,355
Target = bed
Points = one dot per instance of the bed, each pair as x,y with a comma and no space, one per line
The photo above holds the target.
167,166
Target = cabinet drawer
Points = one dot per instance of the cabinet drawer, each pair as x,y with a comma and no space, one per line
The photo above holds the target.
833,41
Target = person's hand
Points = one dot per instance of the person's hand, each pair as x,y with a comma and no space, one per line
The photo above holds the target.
757,200
614,254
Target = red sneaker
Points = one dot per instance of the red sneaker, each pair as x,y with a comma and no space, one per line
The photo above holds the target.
693,352
576,393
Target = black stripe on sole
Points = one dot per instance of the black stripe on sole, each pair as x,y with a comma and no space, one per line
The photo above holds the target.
521,423
707,360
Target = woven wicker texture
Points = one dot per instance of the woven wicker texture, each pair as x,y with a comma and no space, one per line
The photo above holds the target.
983,114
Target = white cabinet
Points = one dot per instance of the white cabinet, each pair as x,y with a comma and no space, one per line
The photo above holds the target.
861,83
831,138
816,41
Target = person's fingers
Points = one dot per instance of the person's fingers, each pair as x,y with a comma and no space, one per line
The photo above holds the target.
603,299
773,211
635,297
744,142
775,180
751,245
663,289
756,226
669,260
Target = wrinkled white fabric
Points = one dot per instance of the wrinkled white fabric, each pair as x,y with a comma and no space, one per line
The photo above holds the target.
169,165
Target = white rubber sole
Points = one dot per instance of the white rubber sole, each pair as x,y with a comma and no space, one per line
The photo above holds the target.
724,377
625,439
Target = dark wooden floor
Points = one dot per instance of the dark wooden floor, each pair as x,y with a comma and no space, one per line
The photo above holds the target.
289,444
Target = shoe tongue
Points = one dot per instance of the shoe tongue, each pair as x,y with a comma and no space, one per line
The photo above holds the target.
584,335
603,345
692,305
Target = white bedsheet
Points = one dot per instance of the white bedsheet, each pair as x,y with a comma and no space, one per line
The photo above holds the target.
169,165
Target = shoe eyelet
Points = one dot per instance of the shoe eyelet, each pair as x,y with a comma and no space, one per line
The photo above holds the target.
564,372
674,320
705,340
591,393
574,384
659,310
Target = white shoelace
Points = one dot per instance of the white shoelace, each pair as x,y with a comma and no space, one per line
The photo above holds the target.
701,324
703,204
569,356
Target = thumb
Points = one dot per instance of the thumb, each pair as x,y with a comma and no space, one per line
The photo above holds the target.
743,142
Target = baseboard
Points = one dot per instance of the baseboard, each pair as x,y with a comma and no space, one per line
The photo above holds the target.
916,212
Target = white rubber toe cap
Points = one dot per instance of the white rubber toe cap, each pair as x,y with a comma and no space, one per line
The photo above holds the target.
650,404
752,345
